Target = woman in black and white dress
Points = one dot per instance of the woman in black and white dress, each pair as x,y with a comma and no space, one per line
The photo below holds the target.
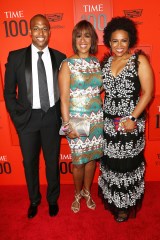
125,75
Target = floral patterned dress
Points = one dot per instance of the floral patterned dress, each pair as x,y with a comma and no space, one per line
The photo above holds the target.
121,183
85,101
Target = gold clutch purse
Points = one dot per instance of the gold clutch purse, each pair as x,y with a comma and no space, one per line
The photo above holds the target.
81,125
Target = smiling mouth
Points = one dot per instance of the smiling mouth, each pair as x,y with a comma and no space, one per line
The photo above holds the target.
40,39
119,50
83,45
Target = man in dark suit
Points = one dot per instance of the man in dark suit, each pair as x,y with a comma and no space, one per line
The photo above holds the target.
37,121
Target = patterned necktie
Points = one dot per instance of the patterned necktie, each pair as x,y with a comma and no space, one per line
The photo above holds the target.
43,89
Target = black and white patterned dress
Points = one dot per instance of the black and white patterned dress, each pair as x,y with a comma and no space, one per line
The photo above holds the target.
121,183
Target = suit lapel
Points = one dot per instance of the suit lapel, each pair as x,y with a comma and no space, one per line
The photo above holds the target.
28,74
55,75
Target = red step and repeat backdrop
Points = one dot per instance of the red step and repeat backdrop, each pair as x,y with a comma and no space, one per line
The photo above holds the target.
63,15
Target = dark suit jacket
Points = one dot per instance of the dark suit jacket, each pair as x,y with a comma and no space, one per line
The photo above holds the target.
18,84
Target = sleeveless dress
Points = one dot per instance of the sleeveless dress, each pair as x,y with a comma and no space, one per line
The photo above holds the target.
85,101
121,183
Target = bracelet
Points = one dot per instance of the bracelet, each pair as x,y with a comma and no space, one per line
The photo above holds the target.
65,123
133,118
66,128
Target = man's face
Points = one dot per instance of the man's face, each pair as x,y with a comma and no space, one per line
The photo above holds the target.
40,32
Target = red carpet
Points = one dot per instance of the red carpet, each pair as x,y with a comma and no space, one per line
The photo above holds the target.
85,225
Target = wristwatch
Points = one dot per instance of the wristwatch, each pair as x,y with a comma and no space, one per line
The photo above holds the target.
133,118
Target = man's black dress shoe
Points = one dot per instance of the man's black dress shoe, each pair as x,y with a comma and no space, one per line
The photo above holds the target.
53,209
32,210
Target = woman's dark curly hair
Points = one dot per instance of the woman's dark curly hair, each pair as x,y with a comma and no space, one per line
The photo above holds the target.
120,23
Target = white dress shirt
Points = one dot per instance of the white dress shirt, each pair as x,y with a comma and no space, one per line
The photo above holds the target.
49,73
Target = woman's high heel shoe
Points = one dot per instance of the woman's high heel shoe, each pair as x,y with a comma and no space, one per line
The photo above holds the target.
122,216
89,201
75,207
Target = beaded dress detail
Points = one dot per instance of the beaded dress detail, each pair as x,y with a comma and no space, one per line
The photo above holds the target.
121,183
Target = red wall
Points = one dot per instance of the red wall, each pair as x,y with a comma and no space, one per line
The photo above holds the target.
14,21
